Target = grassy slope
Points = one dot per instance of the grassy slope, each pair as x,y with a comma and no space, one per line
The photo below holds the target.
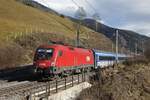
18,20
15,17
125,82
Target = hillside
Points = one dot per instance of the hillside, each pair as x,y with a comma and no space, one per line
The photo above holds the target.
125,82
35,4
127,39
24,27
16,17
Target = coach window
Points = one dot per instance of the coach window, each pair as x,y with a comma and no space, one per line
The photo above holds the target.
60,53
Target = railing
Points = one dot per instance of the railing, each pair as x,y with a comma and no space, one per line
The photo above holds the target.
52,87
31,90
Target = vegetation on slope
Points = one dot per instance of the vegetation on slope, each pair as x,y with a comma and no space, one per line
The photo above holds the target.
23,28
147,50
127,39
125,82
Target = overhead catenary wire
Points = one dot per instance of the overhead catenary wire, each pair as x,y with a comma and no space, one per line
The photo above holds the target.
75,3
91,6
78,28
95,16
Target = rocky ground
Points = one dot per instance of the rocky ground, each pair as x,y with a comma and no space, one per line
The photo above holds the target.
123,82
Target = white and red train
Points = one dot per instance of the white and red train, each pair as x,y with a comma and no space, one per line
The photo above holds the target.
56,59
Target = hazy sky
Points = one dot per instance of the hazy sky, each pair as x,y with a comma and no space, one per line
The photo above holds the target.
126,14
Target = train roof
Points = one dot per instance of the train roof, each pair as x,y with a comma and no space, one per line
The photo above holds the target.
103,53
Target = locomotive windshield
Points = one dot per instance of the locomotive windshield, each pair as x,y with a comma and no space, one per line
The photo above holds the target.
43,54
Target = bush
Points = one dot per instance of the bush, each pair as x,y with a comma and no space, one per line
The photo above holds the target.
148,55
11,55
147,50
136,60
61,15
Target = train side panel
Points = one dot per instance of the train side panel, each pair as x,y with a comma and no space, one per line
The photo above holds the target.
72,57
56,59
104,59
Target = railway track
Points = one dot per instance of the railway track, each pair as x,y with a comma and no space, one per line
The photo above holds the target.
15,89
21,82
40,88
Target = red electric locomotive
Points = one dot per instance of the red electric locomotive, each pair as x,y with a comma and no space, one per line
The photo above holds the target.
59,59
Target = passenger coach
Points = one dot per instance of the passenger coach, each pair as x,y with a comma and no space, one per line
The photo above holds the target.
105,59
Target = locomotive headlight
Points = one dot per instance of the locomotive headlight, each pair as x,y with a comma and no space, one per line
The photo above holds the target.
87,58
53,64
42,64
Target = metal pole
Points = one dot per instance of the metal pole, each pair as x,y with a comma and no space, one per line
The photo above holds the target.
82,75
116,46
46,89
72,80
112,47
78,78
49,88
78,34
56,86
96,25
65,83
143,50
136,49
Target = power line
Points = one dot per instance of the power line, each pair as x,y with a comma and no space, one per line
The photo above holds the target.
78,28
91,5
75,3
96,14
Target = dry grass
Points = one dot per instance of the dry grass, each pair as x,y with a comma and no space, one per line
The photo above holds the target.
18,18
11,55
121,83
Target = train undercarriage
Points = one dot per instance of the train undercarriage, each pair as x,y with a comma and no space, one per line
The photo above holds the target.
54,73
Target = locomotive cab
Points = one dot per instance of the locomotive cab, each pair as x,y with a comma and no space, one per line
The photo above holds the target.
44,61
59,60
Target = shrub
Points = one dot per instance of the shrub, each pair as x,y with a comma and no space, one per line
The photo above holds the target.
147,50
11,55
61,15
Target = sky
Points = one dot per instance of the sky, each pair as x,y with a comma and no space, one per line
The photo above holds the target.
124,14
